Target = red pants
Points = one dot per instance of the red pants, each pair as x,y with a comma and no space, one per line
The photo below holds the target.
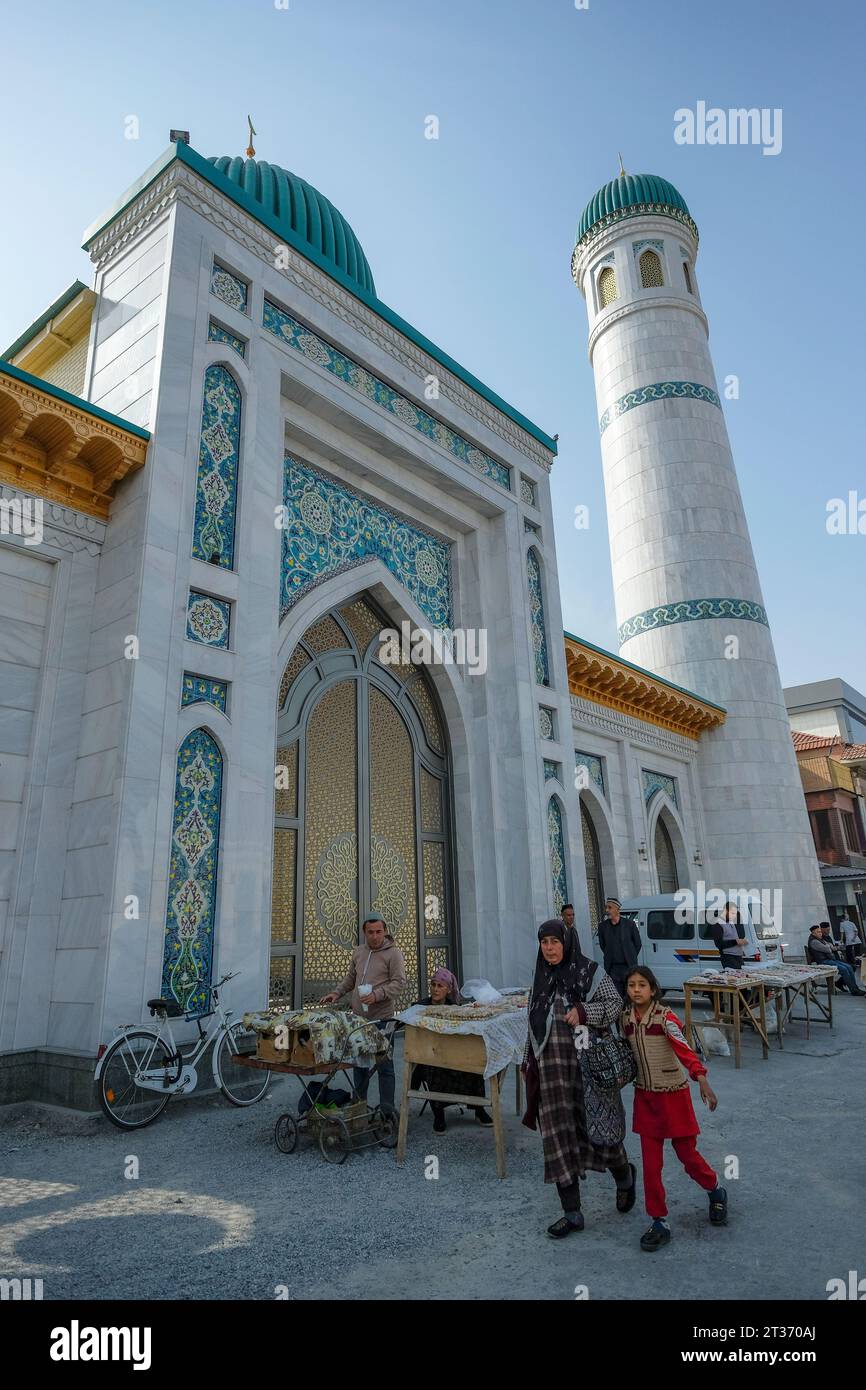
652,1155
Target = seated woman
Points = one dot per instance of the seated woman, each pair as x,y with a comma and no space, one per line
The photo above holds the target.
444,990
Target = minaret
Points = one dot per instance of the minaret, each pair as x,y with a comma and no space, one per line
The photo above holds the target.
688,601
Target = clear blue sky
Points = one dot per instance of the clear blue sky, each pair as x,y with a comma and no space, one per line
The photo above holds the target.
469,237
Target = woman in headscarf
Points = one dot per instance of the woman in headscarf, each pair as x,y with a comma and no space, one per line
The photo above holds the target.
581,1128
445,990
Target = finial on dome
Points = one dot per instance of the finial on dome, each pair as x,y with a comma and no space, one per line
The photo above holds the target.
251,154
621,169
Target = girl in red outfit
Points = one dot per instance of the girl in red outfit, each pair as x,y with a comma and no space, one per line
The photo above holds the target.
662,1102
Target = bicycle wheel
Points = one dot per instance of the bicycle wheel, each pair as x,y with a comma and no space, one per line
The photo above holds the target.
239,1084
286,1134
123,1101
334,1141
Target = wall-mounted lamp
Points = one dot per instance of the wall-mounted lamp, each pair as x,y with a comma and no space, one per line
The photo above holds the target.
642,851
697,857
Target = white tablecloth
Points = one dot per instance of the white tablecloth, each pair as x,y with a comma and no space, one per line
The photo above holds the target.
504,1035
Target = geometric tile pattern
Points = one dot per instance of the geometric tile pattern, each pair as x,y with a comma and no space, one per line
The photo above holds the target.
657,782
527,491
207,620
213,537
545,722
551,770
658,391
315,349
692,610
189,928
593,767
556,841
217,334
202,689
228,288
329,528
536,610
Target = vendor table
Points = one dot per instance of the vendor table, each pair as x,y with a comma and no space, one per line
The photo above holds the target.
793,983
740,1010
457,1052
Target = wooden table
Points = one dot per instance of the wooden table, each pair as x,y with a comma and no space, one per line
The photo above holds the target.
457,1052
802,986
741,1010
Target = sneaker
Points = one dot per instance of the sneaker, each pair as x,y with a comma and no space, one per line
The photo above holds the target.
718,1207
625,1196
565,1225
483,1117
658,1235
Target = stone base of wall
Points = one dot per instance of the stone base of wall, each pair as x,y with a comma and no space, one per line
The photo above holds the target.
54,1078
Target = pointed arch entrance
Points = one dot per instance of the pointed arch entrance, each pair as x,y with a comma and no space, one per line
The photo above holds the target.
362,813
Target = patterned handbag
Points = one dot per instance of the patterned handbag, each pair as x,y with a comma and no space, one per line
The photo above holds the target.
610,1062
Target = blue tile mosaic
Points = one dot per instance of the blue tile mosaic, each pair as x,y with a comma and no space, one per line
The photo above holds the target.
329,528
536,610
638,246
229,288
689,611
658,391
216,492
657,782
217,334
594,768
189,927
315,349
551,770
545,722
208,619
202,688
556,841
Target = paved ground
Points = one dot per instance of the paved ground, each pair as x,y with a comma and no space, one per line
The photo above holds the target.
218,1212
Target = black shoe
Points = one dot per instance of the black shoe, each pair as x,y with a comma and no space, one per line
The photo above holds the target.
565,1225
483,1117
658,1235
625,1196
718,1207
439,1119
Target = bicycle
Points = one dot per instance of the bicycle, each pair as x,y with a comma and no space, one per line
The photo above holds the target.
143,1068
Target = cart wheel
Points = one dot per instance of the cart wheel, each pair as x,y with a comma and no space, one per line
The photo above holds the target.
385,1128
286,1134
334,1141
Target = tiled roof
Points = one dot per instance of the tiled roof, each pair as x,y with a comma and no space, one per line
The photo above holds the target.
842,752
804,741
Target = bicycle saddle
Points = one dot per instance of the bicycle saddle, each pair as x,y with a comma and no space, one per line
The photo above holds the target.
169,1007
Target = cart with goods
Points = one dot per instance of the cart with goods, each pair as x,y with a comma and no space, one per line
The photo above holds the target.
318,1046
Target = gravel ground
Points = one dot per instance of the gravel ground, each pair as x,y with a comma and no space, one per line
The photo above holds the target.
218,1212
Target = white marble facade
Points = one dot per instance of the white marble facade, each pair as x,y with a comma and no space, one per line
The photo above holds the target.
678,533
74,962
90,729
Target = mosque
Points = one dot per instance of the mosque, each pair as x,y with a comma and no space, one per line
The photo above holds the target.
224,469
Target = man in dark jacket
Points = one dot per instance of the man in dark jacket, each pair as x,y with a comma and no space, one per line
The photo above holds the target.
821,950
620,943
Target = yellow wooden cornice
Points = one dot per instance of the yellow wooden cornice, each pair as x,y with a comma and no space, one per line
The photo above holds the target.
606,680
57,447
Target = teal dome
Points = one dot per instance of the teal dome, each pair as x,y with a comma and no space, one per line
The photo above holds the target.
629,195
303,210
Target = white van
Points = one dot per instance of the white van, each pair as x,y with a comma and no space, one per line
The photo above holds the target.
675,947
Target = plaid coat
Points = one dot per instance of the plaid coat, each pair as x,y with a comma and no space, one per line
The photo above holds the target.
581,1129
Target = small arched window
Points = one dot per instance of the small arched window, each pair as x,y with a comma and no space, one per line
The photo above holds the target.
687,277
650,270
607,291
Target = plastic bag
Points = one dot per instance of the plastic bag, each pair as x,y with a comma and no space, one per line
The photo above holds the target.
715,1042
481,991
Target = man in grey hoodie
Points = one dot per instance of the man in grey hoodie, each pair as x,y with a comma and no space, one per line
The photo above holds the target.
376,976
